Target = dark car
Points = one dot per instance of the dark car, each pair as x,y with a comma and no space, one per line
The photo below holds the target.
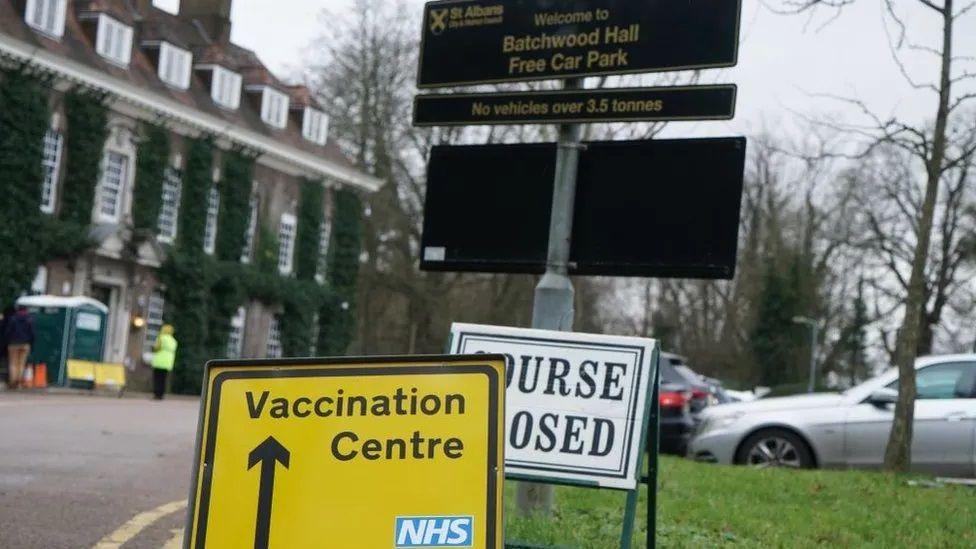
719,394
679,398
703,393
676,423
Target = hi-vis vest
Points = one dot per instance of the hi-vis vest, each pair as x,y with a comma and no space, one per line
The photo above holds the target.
166,355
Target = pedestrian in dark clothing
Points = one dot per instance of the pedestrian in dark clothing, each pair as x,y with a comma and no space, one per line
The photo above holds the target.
18,332
7,314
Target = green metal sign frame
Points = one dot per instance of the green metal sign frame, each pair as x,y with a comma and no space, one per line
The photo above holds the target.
648,445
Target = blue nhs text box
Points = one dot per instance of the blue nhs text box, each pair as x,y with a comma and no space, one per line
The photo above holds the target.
434,531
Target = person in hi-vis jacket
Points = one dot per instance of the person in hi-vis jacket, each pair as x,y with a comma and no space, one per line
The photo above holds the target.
163,358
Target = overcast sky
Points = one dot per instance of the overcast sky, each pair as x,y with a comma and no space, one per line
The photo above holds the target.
784,61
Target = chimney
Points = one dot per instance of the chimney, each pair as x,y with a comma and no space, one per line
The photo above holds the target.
212,15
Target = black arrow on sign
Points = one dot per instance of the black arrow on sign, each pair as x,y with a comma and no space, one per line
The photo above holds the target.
267,453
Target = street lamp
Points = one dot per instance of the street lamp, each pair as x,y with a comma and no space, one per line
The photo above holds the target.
814,332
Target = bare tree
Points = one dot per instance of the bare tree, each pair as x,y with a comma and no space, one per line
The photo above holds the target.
793,215
889,195
930,146
363,71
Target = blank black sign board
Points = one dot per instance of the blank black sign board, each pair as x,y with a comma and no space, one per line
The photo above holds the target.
488,208
659,208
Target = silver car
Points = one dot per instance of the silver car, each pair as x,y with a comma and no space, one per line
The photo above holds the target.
850,429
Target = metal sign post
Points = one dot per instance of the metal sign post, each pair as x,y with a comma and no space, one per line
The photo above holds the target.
552,308
468,42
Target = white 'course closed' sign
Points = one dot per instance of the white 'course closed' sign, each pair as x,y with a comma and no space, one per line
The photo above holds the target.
576,404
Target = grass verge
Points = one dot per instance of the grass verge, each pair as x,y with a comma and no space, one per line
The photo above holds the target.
713,506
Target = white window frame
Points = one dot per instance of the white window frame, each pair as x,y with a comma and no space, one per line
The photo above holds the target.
174,65
167,208
287,232
120,192
39,284
155,307
315,126
51,167
313,346
325,238
252,228
210,229
272,348
274,107
46,16
235,337
113,40
225,87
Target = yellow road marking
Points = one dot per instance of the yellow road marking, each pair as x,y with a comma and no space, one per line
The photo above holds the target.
137,524
176,541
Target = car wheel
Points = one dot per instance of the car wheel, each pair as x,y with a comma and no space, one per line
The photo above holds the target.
775,448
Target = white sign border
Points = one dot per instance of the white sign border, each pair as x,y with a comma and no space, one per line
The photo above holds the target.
647,349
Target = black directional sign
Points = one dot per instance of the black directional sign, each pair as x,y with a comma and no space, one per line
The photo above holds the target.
483,41
577,106
269,453
662,208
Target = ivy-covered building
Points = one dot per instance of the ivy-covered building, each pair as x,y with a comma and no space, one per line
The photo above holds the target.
154,165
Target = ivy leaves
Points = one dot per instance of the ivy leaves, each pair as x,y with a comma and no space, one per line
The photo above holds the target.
24,118
87,118
235,204
151,161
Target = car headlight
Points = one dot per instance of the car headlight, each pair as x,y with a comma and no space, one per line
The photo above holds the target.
713,423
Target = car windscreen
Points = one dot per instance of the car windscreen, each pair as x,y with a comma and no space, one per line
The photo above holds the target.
669,375
689,375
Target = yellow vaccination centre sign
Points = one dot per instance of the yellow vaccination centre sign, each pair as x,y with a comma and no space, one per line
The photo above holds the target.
350,453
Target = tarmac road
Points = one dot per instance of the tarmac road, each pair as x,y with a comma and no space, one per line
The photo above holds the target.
84,471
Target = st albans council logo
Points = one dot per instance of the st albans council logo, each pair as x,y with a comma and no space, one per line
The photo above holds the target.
438,20
442,19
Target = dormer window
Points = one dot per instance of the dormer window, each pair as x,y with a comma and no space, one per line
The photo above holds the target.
113,40
225,88
315,125
174,65
274,107
46,16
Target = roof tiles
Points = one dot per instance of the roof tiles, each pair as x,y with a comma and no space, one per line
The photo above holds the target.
154,25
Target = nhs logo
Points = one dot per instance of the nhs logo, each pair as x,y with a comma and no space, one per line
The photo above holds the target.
434,531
